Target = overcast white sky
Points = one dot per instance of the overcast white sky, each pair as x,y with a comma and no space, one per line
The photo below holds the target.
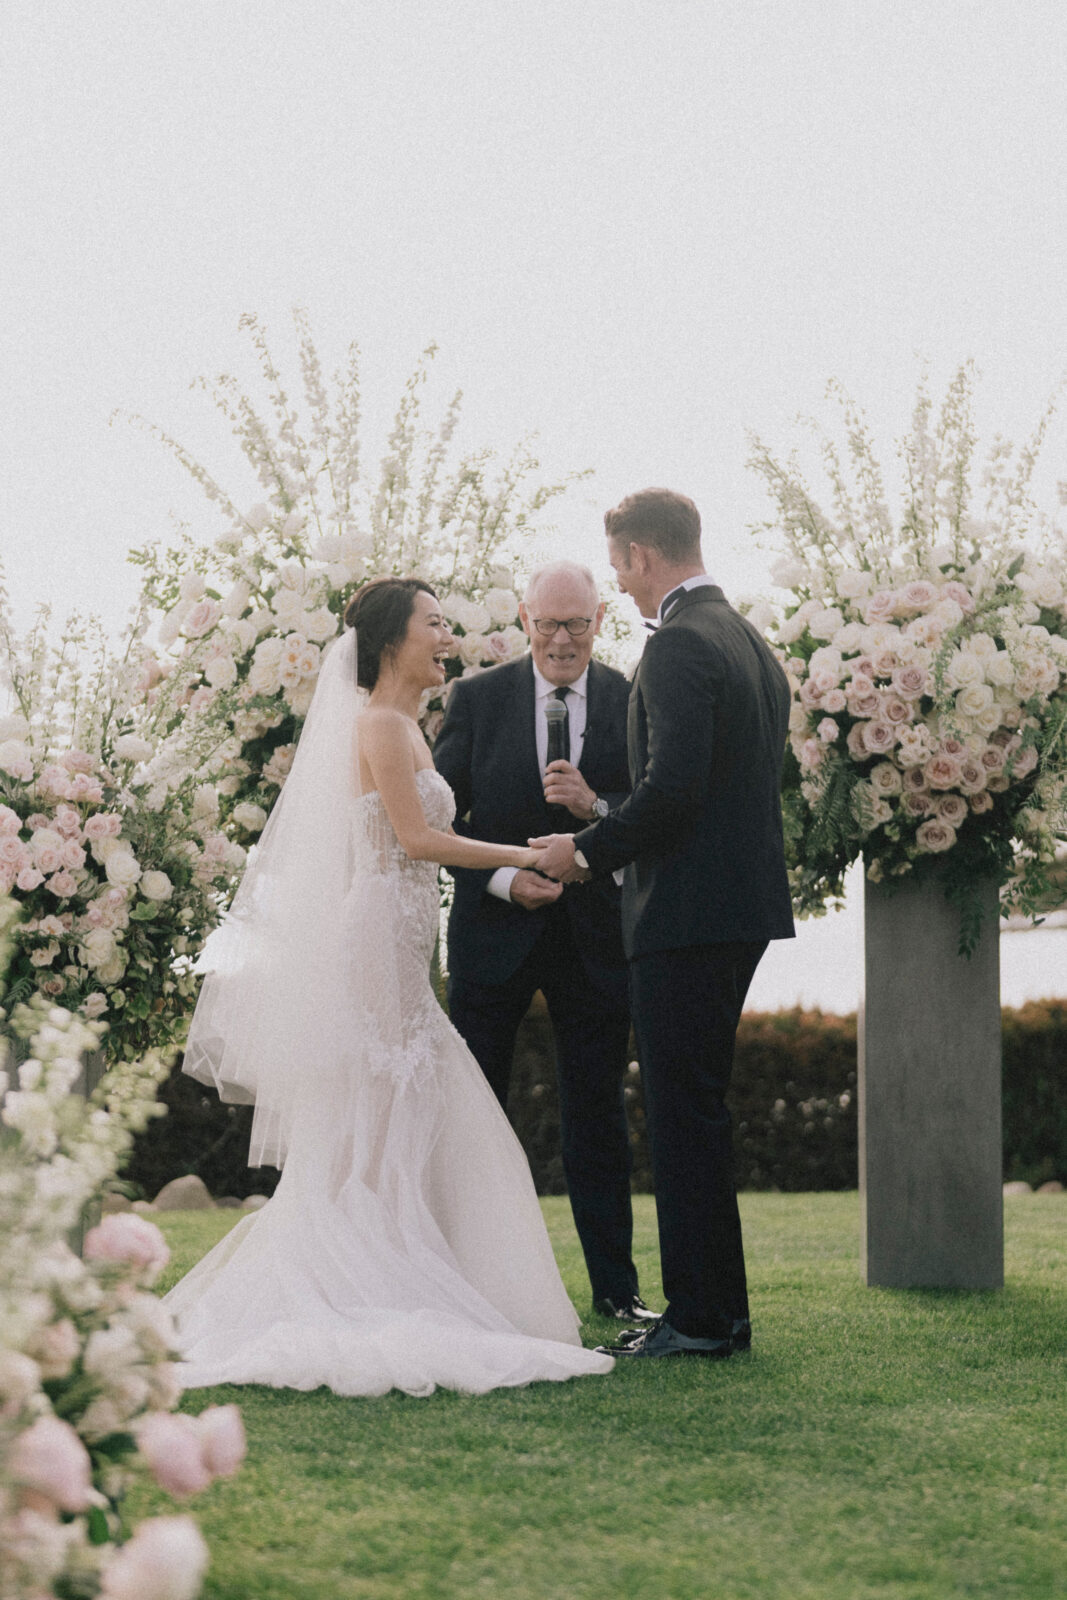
638,228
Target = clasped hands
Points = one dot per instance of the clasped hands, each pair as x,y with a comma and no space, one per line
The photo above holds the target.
554,856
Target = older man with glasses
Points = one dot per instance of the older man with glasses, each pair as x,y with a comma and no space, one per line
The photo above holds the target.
512,933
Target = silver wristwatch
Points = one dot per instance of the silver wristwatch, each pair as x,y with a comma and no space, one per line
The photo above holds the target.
600,809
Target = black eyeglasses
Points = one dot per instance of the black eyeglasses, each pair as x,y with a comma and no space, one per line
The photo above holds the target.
575,626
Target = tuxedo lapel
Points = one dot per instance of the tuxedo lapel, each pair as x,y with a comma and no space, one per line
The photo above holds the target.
526,731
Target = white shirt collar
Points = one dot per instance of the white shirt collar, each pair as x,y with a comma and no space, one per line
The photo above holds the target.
702,580
542,687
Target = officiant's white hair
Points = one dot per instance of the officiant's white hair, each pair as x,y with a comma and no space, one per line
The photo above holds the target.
561,569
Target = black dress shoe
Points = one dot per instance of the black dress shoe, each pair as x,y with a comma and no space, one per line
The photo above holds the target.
663,1340
625,1309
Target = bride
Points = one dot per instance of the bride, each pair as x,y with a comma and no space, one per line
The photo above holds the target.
404,1246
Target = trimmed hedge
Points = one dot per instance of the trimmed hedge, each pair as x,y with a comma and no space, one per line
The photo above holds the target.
793,1099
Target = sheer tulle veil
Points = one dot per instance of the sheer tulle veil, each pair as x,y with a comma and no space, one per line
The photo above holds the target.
268,1028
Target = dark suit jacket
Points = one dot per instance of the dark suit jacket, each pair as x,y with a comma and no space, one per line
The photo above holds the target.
487,751
701,833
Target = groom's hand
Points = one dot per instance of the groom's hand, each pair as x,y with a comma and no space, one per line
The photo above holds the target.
531,891
556,858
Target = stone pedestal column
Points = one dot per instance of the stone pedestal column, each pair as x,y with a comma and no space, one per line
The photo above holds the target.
930,1160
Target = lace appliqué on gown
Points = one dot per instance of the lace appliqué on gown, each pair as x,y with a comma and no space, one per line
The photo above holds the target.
391,922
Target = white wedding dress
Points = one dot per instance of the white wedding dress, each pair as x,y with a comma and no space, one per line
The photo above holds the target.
404,1247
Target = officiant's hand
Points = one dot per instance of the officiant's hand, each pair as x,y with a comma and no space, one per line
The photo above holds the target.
555,858
531,891
565,786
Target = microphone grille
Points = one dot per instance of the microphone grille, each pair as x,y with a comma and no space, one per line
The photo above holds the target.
555,710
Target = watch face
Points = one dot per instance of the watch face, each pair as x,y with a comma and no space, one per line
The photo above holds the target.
600,808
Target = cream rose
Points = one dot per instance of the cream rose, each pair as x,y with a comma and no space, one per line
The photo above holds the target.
935,836
156,886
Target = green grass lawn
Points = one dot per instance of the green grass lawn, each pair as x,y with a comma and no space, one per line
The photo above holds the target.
875,1443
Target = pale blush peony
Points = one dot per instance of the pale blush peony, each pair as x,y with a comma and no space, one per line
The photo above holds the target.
935,836
222,1439
156,886
171,1446
201,618
50,1458
165,1560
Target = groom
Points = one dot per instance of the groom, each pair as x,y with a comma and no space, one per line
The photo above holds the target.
705,889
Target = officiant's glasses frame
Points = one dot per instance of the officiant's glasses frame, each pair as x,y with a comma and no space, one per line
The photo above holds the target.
575,626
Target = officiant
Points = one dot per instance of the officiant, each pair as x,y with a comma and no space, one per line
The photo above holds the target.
512,933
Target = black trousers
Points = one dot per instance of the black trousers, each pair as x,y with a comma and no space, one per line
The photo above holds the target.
591,1030
686,1006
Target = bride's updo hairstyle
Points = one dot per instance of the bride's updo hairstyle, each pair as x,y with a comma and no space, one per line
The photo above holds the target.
380,613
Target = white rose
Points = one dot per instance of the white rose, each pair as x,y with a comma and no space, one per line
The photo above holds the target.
97,948
1047,591
299,695
1000,669
948,612
240,632
131,748
205,803
122,868
472,649
826,622
848,637
156,886
237,599
221,672
964,669
477,619
761,615
502,605
192,587
974,699
885,778
250,817
798,719
263,677
288,607
320,625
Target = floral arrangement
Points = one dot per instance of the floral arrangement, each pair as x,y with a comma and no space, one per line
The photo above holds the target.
928,665
108,840
87,1376
246,621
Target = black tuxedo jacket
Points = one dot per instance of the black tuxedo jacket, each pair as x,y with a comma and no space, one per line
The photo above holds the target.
487,751
700,835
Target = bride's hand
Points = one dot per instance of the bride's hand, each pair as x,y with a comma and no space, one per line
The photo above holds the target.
529,860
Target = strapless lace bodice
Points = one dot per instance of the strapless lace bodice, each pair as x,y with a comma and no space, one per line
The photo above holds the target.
391,922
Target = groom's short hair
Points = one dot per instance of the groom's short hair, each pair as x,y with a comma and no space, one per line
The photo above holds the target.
669,523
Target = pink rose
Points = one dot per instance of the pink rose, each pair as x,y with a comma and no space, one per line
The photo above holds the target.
51,986
827,730
972,775
29,878
37,820
951,808
956,591
126,1237
67,822
917,596
857,747
982,801
935,836
497,647
7,879
56,1347
170,1444
953,747
73,856
811,753
222,1439
909,681
884,663
917,802
165,1560
13,853
834,701
942,771
810,696
82,787
992,757
864,705
201,618
47,849
10,822
98,826
77,761
62,885
53,780
896,710
915,780
879,607
50,1459
879,736
1024,761
200,699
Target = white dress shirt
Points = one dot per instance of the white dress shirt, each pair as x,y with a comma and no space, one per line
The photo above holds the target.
702,580
577,703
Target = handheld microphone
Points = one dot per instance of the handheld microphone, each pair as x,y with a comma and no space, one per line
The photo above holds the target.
556,717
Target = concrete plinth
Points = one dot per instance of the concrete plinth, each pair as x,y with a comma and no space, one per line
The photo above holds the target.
929,1095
